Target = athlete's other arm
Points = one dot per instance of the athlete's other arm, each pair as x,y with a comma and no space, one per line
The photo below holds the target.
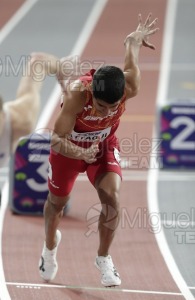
73,103
133,43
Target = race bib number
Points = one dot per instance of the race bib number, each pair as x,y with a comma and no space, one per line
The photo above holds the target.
90,136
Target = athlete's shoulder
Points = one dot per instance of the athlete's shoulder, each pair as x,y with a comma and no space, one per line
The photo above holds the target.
82,83
73,98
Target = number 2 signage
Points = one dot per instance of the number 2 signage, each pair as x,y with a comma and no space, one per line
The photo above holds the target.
177,133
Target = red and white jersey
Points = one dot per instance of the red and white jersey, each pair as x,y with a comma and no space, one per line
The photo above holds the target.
89,125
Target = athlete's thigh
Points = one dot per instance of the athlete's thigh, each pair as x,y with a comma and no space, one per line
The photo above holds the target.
108,161
63,172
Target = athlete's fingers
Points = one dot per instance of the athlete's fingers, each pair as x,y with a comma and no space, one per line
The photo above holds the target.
95,145
90,160
151,25
140,19
147,22
149,45
97,141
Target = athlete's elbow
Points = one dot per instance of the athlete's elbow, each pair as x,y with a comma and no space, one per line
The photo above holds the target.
135,91
132,91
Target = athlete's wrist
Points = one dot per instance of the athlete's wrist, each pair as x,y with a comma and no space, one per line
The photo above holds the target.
135,39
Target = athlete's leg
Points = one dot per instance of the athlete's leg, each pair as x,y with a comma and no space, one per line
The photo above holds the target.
27,100
53,211
25,109
106,176
63,172
108,188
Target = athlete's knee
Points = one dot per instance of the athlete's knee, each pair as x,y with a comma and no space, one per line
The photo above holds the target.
110,212
56,203
110,197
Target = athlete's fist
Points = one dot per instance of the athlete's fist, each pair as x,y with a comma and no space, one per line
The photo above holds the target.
89,154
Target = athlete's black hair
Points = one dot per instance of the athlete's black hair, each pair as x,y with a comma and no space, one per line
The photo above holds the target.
108,84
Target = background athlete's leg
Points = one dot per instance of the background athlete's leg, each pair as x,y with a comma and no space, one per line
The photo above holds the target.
25,109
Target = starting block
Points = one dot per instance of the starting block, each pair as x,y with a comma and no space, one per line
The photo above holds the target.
177,134
28,174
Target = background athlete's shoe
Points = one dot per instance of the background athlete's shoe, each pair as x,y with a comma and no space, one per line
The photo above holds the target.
48,265
110,276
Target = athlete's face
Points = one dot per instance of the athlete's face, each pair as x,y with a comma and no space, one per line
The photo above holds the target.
104,109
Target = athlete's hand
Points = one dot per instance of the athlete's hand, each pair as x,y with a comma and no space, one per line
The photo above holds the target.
89,154
143,32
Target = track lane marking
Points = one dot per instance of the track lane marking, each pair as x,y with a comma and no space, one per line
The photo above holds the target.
46,115
16,18
4,32
34,285
153,174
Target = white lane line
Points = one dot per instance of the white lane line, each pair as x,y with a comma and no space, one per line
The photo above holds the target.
77,50
4,32
16,18
33,285
166,52
4,295
3,178
46,116
153,174
160,236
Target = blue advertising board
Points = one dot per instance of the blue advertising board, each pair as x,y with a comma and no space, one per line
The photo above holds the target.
28,174
177,134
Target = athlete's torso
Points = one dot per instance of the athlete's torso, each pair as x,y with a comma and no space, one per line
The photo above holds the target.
5,140
89,125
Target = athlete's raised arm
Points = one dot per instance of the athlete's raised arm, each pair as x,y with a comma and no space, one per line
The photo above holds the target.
133,43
